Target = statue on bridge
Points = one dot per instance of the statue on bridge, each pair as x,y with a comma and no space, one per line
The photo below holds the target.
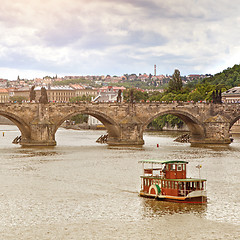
119,96
32,94
131,96
44,98
217,96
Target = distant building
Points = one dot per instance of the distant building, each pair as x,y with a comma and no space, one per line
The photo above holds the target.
4,95
110,88
55,93
87,91
106,94
232,96
3,83
196,76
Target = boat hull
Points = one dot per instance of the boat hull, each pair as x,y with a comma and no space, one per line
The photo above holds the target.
193,198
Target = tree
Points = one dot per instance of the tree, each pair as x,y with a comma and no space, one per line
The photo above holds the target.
138,95
81,98
80,118
160,122
18,99
168,97
175,84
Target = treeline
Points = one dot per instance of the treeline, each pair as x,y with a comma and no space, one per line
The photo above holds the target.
228,78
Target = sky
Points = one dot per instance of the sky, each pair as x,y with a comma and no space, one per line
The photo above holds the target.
100,37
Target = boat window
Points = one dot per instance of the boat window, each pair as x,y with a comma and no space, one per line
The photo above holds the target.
169,184
184,167
173,167
179,167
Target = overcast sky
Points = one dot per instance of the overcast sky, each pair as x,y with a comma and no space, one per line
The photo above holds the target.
100,37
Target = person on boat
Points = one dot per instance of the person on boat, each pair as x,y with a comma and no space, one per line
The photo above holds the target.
164,171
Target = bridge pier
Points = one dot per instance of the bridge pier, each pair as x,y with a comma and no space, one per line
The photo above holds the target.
131,134
42,134
216,132
42,129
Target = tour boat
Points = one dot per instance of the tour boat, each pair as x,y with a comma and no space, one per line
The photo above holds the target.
167,181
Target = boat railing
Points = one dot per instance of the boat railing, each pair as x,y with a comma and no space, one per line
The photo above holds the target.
185,192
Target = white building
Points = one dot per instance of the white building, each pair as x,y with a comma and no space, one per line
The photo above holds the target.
106,94
232,96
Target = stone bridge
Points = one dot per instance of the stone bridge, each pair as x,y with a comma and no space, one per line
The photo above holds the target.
125,122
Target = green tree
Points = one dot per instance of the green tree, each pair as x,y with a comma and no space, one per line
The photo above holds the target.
81,98
168,97
195,96
181,97
138,95
159,122
80,118
175,84
18,99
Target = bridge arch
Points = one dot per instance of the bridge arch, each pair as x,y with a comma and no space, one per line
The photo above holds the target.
233,121
111,126
22,126
196,128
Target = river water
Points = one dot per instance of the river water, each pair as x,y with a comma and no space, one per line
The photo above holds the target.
84,190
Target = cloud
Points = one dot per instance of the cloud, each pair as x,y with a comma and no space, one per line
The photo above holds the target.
118,36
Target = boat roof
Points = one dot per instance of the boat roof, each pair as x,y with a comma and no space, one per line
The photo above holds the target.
162,161
177,180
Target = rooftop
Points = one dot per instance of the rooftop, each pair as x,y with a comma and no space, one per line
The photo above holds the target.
162,161
232,91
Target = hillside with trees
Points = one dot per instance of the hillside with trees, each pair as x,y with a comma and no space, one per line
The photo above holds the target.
228,78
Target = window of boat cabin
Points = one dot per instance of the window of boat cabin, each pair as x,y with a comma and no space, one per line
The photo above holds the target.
179,167
173,167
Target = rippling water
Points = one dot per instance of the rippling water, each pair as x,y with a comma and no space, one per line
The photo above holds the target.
84,190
